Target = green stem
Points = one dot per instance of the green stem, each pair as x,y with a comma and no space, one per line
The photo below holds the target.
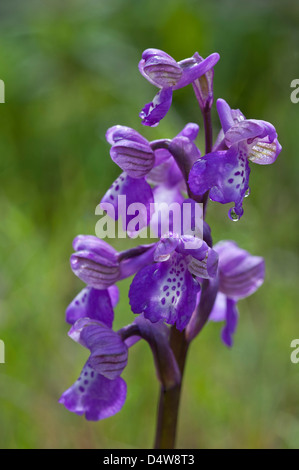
170,399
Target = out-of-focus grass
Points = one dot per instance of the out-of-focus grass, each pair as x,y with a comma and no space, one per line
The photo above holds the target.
70,71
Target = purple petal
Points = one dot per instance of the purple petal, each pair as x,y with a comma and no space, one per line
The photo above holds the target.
192,218
225,114
109,354
205,303
249,129
220,142
185,153
241,274
94,395
157,109
114,296
162,71
225,174
203,267
165,247
263,152
124,192
135,158
167,215
219,309
203,87
91,303
231,322
237,115
190,131
192,70
129,265
94,244
159,57
165,291
95,262
116,133
166,173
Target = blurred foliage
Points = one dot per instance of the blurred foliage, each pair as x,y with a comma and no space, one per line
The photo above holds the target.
70,70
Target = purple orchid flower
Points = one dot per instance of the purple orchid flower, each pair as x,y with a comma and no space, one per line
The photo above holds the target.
100,266
100,392
240,275
164,72
171,264
225,173
143,166
179,280
167,289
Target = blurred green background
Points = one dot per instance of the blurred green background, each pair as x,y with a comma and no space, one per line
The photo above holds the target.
70,70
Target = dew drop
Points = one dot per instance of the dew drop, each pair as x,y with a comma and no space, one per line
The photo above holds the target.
247,192
233,215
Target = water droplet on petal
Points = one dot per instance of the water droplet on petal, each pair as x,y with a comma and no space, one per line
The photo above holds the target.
247,192
233,215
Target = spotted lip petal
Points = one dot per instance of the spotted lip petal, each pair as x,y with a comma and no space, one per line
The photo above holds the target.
224,173
94,395
165,291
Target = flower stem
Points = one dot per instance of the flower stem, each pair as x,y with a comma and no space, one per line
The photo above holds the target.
206,113
170,399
